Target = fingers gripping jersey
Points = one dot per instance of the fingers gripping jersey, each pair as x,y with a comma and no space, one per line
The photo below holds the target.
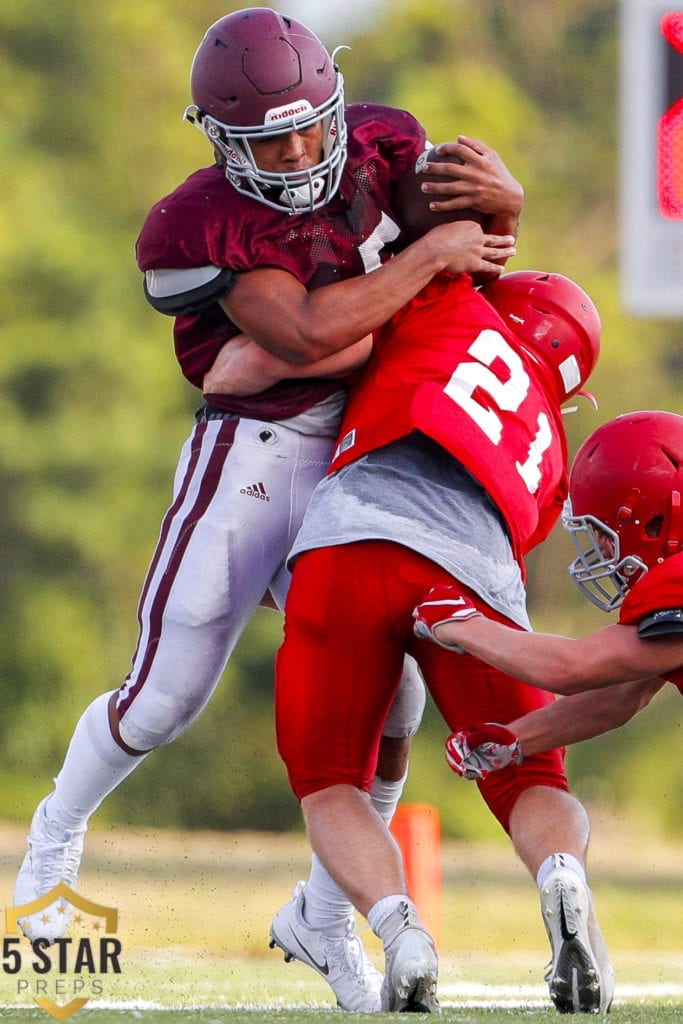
447,366
206,221
658,590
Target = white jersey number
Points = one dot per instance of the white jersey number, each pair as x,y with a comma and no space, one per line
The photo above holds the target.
386,231
506,395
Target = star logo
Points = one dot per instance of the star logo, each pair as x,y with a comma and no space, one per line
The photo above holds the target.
76,958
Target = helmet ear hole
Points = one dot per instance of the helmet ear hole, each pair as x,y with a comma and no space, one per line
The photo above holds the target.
654,527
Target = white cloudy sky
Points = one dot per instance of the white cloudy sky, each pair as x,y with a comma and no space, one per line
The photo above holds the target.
328,18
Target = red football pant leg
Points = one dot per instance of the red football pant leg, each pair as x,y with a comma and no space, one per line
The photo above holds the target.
467,690
337,670
348,623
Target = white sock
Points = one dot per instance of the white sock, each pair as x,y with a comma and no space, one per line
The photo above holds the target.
325,904
384,908
385,795
560,860
94,766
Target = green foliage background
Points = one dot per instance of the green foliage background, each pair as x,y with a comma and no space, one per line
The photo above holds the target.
93,409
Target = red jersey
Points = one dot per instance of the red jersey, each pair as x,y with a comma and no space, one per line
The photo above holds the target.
447,365
206,221
660,588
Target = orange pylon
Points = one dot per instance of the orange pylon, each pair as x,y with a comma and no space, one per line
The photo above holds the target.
417,830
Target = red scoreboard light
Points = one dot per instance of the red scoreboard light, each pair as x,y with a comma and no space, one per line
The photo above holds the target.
651,190
670,128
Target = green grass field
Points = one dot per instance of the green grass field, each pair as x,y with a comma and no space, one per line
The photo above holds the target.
194,911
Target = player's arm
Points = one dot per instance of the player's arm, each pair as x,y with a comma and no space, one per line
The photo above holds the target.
243,368
485,747
583,715
274,308
614,654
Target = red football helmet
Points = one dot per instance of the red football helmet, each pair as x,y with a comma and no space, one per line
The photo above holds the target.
624,506
555,321
256,74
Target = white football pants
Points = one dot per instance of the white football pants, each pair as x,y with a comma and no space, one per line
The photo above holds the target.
241,489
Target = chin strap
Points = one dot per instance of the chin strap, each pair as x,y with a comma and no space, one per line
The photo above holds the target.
574,408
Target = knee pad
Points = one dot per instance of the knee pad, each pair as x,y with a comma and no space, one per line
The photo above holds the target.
405,714
155,719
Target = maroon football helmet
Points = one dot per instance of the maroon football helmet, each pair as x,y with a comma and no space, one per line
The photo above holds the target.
257,74
624,506
555,321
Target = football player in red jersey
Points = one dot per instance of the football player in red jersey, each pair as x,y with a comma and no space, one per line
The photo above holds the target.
287,236
451,464
624,513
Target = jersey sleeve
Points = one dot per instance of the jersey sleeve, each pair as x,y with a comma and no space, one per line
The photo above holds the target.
206,222
655,603
668,622
385,140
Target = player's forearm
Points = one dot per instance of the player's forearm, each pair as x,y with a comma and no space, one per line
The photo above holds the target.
242,367
301,327
582,716
340,364
542,659
556,663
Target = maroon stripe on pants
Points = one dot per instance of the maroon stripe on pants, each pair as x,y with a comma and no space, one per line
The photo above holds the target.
208,486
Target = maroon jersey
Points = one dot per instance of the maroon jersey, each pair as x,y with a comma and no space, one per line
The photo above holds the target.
447,365
659,589
206,221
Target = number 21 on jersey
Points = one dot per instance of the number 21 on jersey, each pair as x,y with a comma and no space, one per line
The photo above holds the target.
472,383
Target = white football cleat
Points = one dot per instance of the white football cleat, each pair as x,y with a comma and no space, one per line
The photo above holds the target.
412,966
53,856
335,952
580,976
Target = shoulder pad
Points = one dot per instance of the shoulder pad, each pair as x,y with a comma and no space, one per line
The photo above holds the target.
668,622
182,292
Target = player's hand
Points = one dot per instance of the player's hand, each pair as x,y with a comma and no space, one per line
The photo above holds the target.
442,604
461,247
486,747
480,179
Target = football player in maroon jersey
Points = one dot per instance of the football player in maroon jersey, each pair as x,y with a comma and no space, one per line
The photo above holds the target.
287,236
451,464
624,514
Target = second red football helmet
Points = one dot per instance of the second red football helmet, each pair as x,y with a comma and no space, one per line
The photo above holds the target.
257,74
624,507
554,319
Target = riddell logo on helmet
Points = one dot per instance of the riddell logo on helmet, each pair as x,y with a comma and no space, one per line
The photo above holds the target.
276,114
236,157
